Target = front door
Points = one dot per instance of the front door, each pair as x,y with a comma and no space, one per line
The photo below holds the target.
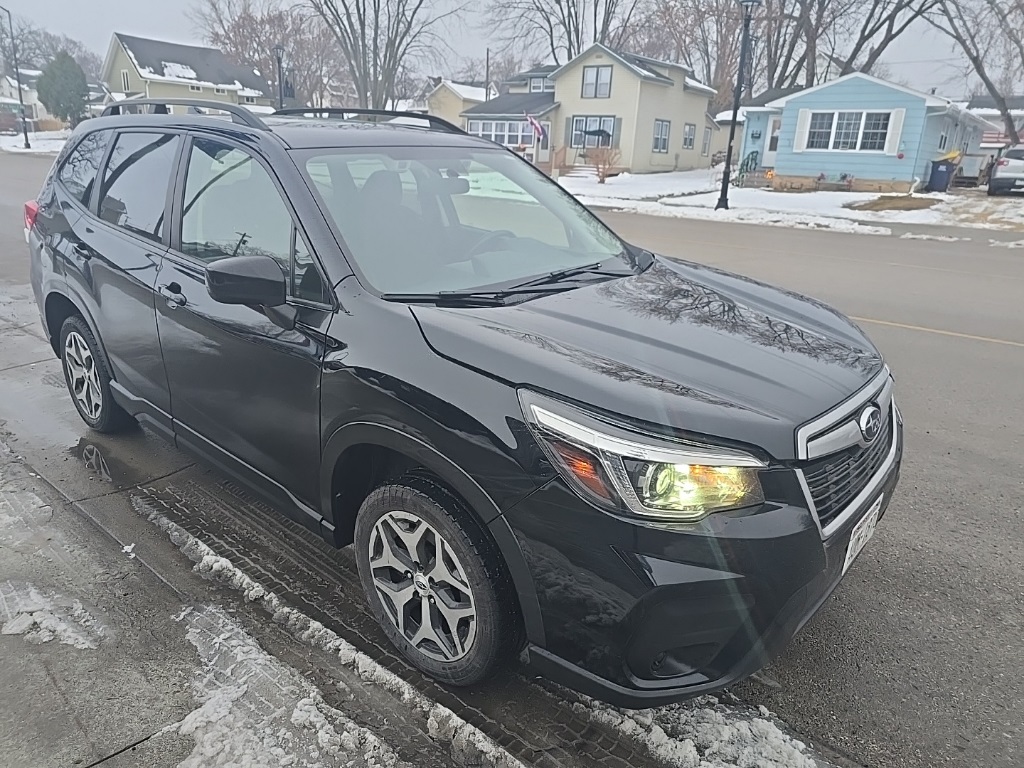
771,141
245,387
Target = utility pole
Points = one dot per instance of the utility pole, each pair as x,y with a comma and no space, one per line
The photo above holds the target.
17,77
487,74
279,54
748,13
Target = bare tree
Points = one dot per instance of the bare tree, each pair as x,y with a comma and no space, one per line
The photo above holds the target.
983,29
874,25
503,66
248,30
562,29
378,38
37,47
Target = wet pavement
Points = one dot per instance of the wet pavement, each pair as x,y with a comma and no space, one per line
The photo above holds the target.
912,663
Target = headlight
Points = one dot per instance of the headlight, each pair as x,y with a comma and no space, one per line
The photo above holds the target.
649,476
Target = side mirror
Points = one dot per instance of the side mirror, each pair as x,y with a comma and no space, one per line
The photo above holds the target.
251,280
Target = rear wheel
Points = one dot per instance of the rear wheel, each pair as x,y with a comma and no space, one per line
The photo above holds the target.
88,379
435,582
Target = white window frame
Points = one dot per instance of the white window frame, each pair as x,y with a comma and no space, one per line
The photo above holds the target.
249,99
662,130
195,88
597,69
488,129
705,147
126,82
536,84
860,130
689,135
220,91
591,142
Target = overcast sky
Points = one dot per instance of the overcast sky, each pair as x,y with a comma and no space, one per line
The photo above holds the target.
922,58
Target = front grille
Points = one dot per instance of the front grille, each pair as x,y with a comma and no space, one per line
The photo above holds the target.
835,480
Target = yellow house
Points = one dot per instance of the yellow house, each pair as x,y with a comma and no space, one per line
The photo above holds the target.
154,69
450,98
649,115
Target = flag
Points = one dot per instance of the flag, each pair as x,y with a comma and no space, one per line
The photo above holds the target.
537,127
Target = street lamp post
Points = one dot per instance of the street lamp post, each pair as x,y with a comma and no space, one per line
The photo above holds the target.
748,14
17,77
279,53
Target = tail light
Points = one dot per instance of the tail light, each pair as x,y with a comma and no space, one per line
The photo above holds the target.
31,212
1003,162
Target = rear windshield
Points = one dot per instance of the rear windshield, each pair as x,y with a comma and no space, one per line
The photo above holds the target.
1014,154
428,219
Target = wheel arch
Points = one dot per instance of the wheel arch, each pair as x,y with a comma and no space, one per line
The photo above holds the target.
58,307
363,439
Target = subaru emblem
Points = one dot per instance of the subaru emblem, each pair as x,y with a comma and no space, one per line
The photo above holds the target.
870,422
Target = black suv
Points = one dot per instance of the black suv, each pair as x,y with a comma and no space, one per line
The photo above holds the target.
646,474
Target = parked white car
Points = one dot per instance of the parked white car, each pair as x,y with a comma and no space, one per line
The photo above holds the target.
1008,172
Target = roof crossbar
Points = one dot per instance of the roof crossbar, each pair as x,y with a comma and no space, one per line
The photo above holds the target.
435,122
238,113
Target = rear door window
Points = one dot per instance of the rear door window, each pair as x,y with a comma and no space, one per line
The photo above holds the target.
135,182
78,174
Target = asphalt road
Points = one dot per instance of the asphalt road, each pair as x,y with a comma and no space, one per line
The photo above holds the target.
917,659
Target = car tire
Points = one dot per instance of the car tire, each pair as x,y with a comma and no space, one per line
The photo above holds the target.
398,530
88,379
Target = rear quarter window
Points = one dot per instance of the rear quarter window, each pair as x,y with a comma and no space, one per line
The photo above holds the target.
78,173
1014,154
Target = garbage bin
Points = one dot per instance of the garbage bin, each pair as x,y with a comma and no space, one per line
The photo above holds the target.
941,176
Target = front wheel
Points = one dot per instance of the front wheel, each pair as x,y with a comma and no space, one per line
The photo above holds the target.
88,379
435,582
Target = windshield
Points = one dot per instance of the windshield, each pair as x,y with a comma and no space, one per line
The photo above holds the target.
431,219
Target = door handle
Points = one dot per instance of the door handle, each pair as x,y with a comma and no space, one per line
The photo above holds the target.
172,292
83,250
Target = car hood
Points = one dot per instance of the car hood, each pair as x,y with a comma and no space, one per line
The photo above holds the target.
681,345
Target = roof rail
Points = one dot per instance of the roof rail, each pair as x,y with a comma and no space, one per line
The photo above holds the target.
238,114
435,122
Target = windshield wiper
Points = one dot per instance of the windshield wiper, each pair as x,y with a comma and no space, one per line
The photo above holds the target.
564,274
495,298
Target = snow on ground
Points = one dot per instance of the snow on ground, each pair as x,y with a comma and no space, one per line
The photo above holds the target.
700,734
693,194
706,734
1005,244
468,744
644,186
257,711
41,616
43,143
938,238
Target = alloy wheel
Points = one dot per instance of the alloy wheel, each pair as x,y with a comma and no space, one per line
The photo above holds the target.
422,586
83,375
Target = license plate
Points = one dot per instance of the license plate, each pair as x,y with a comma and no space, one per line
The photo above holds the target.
862,533
1019,183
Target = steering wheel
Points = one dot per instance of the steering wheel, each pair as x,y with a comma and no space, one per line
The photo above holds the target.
497,234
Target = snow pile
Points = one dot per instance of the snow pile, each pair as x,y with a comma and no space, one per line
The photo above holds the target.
705,734
257,711
937,238
645,186
468,743
1006,244
41,617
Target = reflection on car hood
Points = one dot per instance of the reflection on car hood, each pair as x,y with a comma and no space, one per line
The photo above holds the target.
681,345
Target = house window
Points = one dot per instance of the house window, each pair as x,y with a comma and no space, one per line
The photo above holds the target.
220,91
549,84
689,135
536,84
661,131
705,147
597,82
589,131
250,100
944,136
196,88
125,82
849,131
509,133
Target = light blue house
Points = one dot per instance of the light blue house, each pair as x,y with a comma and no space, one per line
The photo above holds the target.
857,132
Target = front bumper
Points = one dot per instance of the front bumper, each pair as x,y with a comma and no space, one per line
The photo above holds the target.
641,616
